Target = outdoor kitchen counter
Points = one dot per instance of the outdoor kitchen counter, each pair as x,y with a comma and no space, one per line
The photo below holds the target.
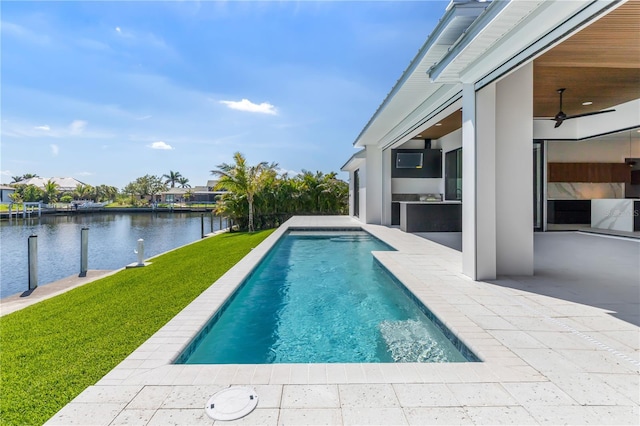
431,216
616,214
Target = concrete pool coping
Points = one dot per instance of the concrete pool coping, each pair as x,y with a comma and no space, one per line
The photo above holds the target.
545,360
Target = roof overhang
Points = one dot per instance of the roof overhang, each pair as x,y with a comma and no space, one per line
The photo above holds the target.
504,36
355,161
511,33
414,88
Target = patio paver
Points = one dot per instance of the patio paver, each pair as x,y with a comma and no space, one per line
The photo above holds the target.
546,359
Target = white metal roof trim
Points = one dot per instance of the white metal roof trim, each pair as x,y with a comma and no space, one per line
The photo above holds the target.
508,19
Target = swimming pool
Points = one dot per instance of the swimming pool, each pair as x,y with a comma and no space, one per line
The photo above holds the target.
321,297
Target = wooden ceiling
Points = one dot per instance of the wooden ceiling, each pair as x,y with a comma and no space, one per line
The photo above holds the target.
600,64
451,123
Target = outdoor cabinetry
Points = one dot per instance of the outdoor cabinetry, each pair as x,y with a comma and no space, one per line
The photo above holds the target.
589,172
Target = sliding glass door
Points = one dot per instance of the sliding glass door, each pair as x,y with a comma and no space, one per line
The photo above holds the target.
538,185
356,193
453,175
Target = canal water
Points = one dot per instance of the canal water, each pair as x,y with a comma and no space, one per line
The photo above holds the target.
112,240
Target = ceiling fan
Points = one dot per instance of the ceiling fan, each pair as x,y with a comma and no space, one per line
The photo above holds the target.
561,116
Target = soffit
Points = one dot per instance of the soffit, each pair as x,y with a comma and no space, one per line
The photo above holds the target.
600,64
486,34
445,126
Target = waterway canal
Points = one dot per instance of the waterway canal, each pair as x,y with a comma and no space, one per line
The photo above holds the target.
112,239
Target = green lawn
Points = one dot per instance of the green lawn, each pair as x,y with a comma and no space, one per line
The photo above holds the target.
53,350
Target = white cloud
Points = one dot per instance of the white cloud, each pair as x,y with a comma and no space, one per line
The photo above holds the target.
77,126
45,128
18,31
84,174
145,117
247,105
160,145
147,39
54,149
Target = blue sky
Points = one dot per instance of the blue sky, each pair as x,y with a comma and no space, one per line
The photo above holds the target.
106,92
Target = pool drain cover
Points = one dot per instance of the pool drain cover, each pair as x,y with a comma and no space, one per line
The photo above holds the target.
232,403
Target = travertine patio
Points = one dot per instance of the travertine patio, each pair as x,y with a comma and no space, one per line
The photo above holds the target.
547,360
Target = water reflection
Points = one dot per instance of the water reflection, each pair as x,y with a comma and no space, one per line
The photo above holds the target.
112,239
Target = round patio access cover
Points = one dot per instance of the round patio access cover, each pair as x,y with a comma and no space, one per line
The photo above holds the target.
232,403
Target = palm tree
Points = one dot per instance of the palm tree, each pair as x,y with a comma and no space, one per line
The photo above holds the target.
50,192
16,198
243,180
105,193
82,191
172,178
335,193
16,179
32,193
184,182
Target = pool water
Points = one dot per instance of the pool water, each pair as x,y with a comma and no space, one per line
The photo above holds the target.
321,297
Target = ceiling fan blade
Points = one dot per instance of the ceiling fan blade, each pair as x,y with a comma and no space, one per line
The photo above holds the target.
558,123
588,113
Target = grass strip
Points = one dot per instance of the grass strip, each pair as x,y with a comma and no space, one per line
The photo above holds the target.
53,350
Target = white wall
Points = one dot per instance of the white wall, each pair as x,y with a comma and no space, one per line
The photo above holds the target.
416,186
374,186
415,144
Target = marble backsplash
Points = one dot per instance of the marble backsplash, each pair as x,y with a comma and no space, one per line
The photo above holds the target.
584,191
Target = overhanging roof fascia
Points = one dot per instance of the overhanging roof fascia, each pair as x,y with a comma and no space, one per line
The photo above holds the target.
355,160
456,10
512,40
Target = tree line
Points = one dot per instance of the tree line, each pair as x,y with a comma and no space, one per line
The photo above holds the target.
257,196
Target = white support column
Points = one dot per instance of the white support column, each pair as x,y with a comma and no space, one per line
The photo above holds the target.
514,173
478,182
386,187
362,193
469,181
374,186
